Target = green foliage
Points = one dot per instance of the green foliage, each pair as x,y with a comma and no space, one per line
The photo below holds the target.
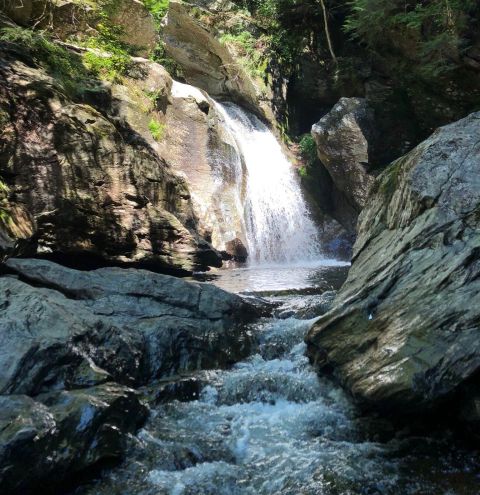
157,129
64,65
4,209
251,51
111,57
158,8
302,172
308,149
436,27
161,57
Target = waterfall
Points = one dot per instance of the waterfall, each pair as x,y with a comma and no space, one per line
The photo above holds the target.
278,224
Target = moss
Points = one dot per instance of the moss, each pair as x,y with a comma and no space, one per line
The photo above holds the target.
4,119
250,50
5,217
390,178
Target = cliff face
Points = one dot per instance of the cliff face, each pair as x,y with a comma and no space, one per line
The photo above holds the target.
84,158
86,176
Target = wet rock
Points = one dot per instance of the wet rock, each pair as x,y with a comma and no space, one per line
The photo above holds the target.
237,250
71,344
306,307
345,138
198,146
131,326
56,435
403,333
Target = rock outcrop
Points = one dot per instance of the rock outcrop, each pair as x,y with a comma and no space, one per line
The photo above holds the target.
345,139
74,343
193,42
59,434
198,145
84,172
403,333
131,326
68,19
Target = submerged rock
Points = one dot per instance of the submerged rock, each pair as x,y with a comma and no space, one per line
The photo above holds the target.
403,332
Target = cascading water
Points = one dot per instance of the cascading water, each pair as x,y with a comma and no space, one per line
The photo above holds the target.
278,225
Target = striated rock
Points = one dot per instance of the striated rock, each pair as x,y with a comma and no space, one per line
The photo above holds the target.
205,61
72,343
197,145
72,329
86,177
56,435
344,139
403,333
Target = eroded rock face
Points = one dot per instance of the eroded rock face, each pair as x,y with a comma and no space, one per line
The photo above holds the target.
403,332
87,177
130,326
198,145
344,139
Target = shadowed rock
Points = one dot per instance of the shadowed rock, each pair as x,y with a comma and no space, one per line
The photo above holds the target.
51,437
72,342
344,139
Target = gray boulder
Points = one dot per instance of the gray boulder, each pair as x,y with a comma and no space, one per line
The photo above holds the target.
51,437
403,332
344,139
71,344
65,329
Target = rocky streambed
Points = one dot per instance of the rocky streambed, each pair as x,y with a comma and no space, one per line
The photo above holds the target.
139,393
76,348
270,425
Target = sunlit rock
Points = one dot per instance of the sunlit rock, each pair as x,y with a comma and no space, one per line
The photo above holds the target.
403,332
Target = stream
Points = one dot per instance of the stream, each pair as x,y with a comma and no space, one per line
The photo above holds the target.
271,426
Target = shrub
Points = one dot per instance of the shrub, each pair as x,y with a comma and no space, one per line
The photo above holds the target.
158,8
308,149
111,58
157,129
438,27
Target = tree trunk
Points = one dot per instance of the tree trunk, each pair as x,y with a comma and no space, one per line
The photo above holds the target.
327,31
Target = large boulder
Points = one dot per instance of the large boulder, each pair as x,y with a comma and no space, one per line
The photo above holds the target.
84,170
403,333
345,139
71,345
65,329
56,435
